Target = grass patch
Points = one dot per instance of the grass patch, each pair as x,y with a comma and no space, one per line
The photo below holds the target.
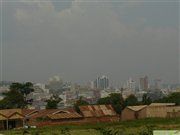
126,128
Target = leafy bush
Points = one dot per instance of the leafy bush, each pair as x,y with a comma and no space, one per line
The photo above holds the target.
148,130
65,131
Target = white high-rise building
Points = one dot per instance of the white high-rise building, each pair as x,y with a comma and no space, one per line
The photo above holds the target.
92,86
102,82
131,84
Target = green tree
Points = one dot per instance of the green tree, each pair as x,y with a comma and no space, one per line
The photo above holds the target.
13,99
116,100
105,100
80,102
24,88
131,100
16,97
52,103
146,100
172,98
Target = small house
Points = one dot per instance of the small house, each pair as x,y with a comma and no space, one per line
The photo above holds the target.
11,118
158,110
154,110
134,112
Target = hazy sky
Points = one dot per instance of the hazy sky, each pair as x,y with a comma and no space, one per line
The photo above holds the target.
82,39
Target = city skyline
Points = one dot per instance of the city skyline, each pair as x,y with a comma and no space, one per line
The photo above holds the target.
106,82
79,40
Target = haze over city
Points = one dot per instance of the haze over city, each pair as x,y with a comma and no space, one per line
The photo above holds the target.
81,39
89,67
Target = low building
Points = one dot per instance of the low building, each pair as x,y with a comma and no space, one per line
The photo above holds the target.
154,110
11,118
88,114
158,110
98,113
49,116
30,119
173,112
133,112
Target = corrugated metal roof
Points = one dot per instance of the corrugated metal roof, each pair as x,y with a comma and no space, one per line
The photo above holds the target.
137,108
43,113
8,112
3,117
97,110
16,115
29,112
11,114
66,115
46,112
162,104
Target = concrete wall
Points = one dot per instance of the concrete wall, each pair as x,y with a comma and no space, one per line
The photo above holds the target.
156,111
142,113
128,114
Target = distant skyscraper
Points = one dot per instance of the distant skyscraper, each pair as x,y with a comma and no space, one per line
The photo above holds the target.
131,84
157,83
101,82
143,83
91,84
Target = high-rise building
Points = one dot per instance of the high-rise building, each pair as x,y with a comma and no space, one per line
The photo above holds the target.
131,84
143,83
92,84
157,83
101,82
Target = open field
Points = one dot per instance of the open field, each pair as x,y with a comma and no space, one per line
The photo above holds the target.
137,127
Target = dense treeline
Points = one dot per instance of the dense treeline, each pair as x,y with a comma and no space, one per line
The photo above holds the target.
172,98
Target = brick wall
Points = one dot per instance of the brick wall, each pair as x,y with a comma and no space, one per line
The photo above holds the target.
78,121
